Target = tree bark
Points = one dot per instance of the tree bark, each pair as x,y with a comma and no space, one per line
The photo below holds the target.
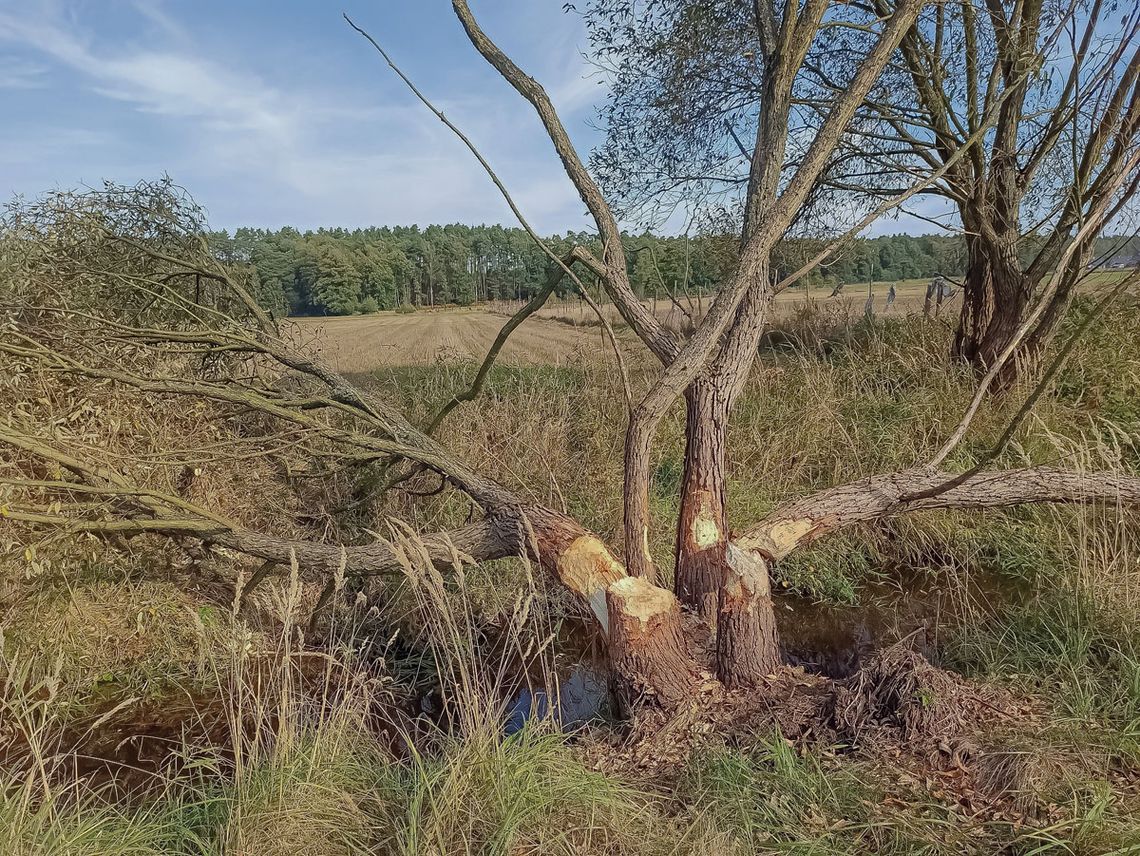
994,301
715,579
804,520
747,643
702,528
650,662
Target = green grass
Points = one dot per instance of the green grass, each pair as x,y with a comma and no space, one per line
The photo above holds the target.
528,793
1069,649
777,800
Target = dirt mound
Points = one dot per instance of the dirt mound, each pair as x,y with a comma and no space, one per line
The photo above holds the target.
898,704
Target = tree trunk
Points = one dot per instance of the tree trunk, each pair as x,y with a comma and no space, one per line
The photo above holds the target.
647,650
702,529
716,580
994,304
747,644
977,303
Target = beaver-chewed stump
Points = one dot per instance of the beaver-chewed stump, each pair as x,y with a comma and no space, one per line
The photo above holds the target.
649,656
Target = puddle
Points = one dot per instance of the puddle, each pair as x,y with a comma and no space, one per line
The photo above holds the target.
835,640
573,692
134,749
829,640
582,695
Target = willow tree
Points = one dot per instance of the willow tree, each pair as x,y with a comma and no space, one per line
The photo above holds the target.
1043,97
1064,82
118,288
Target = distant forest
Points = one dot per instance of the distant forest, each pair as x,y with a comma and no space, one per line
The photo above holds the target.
345,272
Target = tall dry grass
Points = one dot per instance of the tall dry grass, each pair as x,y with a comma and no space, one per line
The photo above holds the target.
311,756
315,761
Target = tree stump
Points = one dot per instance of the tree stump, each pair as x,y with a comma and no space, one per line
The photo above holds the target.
747,645
647,647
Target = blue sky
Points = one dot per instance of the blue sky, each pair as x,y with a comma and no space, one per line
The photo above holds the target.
276,113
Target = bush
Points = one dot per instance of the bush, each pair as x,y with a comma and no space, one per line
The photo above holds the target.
405,309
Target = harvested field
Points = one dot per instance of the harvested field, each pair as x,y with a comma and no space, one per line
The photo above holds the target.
555,334
565,328
362,343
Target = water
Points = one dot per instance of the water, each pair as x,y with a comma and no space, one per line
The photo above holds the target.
835,640
582,696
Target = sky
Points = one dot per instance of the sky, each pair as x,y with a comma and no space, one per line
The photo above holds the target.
276,113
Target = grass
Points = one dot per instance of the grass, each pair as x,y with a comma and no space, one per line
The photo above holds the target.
527,793
331,759
776,800
310,766
1067,647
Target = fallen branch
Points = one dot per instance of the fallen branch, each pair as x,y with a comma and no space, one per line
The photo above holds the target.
804,520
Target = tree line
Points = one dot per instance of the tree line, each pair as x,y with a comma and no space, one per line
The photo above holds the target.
356,271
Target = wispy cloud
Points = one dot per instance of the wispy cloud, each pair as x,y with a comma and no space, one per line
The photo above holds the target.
308,150
21,74
160,82
579,90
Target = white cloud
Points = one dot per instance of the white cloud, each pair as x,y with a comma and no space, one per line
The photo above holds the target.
580,89
21,74
262,150
159,82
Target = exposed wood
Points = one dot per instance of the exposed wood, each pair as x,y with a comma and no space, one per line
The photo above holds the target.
747,643
578,559
647,648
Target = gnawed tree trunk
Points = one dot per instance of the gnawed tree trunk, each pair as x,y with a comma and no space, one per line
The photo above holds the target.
702,528
747,643
576,558
715,579
647,650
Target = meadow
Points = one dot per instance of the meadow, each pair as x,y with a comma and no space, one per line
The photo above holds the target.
153,701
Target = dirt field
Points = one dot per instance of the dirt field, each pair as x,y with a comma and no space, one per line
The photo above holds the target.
363,343
560,330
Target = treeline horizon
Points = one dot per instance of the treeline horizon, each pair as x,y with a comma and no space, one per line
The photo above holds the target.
358,271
